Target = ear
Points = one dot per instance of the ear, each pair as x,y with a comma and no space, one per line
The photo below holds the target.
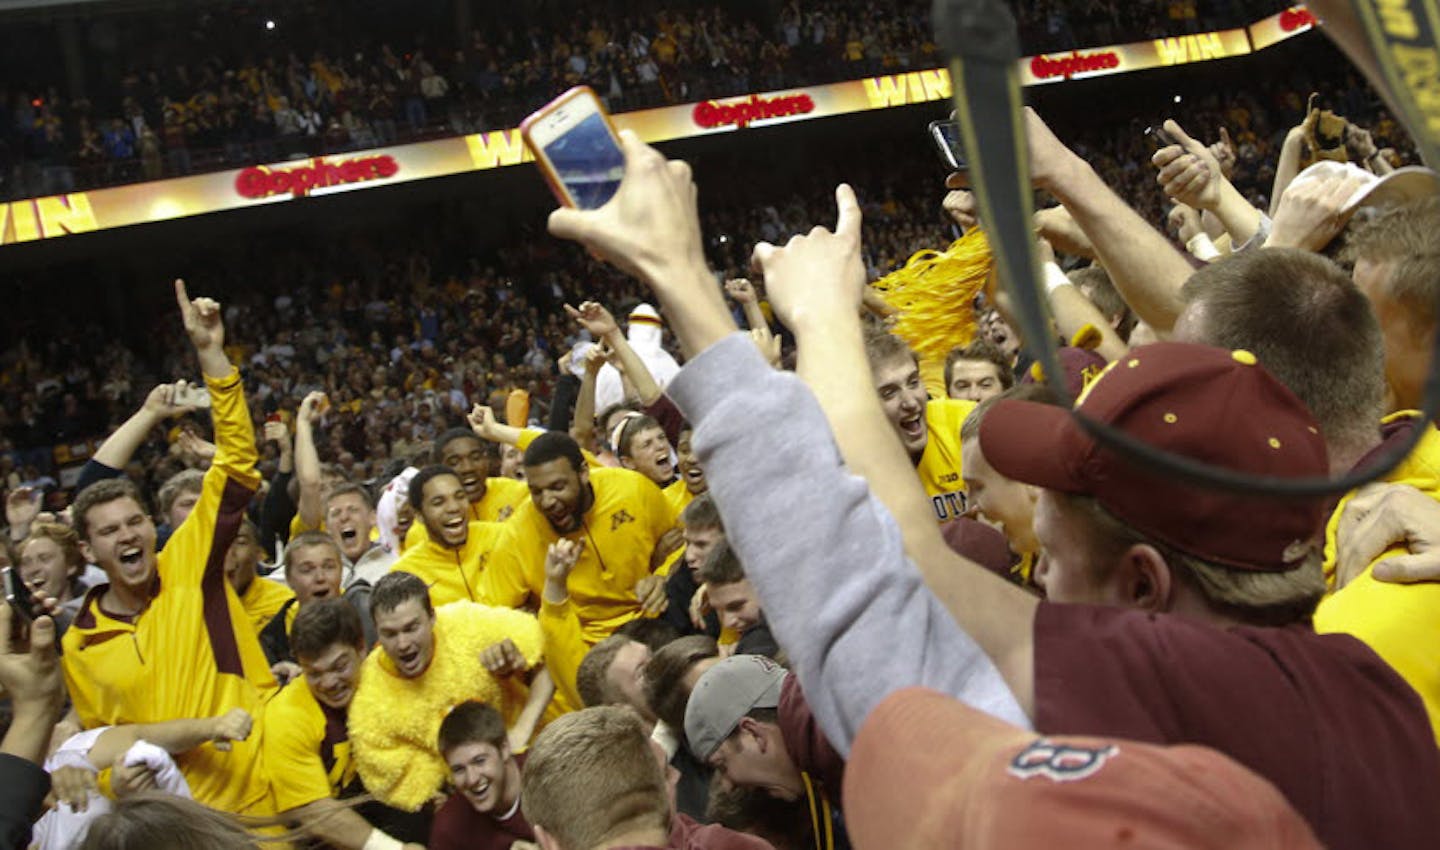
505,753
87,552
547,841
584,472
624,461
1144,580
752,727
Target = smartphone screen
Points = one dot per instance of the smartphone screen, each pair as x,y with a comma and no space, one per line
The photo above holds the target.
946,136
576,147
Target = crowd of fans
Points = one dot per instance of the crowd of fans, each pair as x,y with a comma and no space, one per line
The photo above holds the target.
447,548
217,89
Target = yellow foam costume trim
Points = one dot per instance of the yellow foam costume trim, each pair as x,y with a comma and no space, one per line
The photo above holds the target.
934,292
395,723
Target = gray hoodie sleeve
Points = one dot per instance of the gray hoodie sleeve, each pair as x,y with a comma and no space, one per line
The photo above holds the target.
825,555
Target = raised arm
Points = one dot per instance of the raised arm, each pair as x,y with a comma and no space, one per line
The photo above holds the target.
1074,312
815,285
307,461
857,620
1191,174
278,508
1287,166
582,426
120,446
1146,268
487,427
596,319
743,291
231,479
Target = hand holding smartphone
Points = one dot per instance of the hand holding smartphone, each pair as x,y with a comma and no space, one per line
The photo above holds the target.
1157,134
577,149
20,600
191,395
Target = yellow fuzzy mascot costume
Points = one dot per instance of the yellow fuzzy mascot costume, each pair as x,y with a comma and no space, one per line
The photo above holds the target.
395,722
934,293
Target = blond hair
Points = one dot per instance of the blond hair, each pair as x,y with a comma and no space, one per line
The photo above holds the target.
1262,598
591,777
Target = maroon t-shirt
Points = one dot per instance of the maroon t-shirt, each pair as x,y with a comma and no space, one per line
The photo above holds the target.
457,826
1340,734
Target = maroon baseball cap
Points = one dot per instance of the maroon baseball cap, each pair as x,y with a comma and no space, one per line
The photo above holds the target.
1210,405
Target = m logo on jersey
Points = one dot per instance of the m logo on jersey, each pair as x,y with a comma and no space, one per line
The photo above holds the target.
619,518
1060,762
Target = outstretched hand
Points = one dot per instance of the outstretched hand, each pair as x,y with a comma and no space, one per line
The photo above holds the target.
1312,212
819,276
1189,171
593,317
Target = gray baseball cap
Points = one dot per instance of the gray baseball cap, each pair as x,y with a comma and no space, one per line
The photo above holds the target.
724,694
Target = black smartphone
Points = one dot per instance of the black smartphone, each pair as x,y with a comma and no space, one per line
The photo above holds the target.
1157,134
946,136
19,598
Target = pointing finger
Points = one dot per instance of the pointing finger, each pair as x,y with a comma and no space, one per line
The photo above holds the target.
847,223
182,297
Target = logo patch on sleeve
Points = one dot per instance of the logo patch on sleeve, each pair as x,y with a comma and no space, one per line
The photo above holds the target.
1060,762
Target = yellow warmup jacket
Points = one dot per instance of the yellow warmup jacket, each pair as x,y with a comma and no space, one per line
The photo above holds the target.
1401,622
565,648
192,652
502,497
939,467
619,531
307,748
452,574
395,722
262,600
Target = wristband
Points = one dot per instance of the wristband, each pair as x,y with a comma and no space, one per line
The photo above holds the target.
1054,278
1202,247
380,841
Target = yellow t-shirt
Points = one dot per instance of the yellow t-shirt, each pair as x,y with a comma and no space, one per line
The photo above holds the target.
619,531
939,467
262,600
307,748
1401,622
192,652
502,497
452,574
